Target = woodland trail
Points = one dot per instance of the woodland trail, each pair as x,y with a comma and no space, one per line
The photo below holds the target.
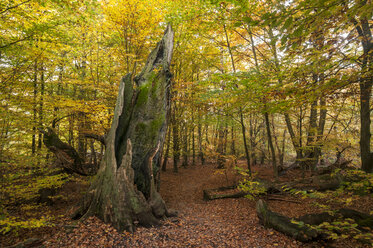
218,223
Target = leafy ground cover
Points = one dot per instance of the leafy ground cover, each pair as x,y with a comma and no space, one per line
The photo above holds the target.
218,223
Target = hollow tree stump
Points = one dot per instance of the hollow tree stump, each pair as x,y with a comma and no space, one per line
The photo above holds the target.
124,190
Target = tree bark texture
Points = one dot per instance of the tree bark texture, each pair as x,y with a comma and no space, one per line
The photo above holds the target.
283,224
124,190
67,156
306,233
366,83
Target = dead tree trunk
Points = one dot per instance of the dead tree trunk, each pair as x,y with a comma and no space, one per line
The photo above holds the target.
124,190
68,158
297,229
284,224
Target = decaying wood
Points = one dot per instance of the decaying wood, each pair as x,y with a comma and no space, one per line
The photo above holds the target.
272,198
100,138
362,219
318,182
223,192
284,224
67,156
124,190
304,232
234,192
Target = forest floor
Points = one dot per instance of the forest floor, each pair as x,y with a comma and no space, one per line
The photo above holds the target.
217,223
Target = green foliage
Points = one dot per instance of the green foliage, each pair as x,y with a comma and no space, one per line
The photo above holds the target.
249,185
343,229
14,224
25,188
357,181
62,60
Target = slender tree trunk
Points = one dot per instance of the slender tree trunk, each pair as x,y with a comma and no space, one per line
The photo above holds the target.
366,80
200,153
233,145
300,127
175,137
41,105
252,154
193,143
220,145
277,144
321,127
71,130
283,149
185,145
245,142
240,109
270,143
225,136
365,134
293,138
311,138
207,133
33,144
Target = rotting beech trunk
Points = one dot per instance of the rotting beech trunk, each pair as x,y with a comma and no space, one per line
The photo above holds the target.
124,190
67,157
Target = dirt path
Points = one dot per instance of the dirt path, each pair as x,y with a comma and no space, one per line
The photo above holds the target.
219,223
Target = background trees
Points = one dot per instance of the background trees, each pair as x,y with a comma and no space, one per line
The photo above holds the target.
271,82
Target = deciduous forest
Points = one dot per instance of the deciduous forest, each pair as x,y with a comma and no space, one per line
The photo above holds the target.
194,123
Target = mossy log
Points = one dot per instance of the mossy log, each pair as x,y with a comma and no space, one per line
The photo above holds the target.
284,224
223,192
67,157
362,219
319,183
234,192
124,190
305,232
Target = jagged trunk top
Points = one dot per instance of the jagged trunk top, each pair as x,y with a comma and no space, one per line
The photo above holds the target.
124,189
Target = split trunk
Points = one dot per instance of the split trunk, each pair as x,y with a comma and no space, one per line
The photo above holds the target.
124,190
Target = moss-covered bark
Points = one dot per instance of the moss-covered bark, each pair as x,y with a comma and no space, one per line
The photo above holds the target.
124,190
284,224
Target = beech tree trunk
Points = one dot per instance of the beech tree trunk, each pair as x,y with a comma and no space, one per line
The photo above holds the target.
200,150
124,190
366,84
67,156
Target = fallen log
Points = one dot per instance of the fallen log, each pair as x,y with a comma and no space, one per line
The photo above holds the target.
271,198
284,224
319,183
362,219
234,192
301,228
223,192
